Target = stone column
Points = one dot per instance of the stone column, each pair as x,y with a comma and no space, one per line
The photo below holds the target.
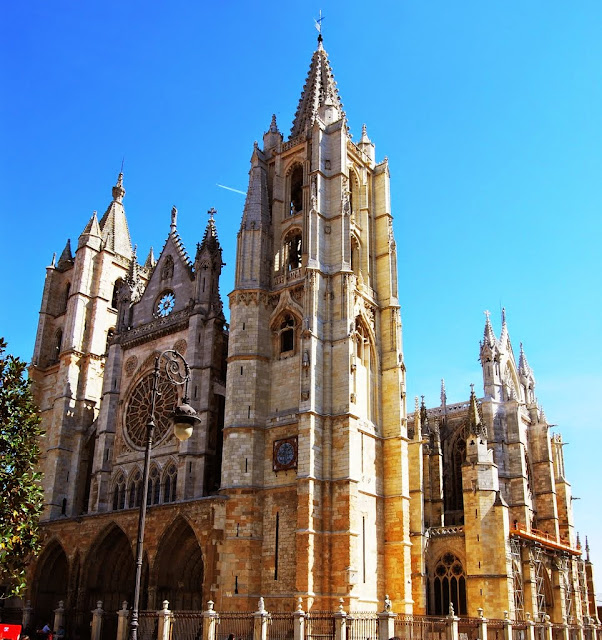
340,623
452,624
299,622
507,626
483,625
27,615
97,614
530,627
260,624
164,626
386,621
210,619
59,617
123,618
565,628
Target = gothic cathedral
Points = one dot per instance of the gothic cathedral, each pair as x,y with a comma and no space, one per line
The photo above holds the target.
304,478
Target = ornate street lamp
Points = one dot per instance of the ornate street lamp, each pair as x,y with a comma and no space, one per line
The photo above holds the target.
183,418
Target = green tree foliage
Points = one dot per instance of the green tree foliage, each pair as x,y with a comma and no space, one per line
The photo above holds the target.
21,495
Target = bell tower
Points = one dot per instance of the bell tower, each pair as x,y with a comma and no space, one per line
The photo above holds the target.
315,436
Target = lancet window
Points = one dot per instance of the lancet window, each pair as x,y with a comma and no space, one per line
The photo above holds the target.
154,486
135,493
170,481
296,199
292,248
115,295
119,493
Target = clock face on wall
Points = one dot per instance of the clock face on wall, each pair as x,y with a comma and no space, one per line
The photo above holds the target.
285,454
165,304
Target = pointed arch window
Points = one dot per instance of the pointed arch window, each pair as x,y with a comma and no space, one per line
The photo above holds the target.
119,493
58,344
296,199
448,585
66,297
169,483
154,485
454,456
285,334
363,366
135,497
110,336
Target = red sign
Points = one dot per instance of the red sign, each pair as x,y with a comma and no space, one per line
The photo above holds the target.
10,631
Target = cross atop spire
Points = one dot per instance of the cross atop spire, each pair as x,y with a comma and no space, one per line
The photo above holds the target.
319,26
211,213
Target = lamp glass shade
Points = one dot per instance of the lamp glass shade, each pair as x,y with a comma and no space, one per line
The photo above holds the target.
182,430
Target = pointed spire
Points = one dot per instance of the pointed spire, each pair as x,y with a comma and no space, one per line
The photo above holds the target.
488,334
273,124
424,418
474,418
150,261
66,259
523,365
587,549
53,262
320,90
443,393
113,224
504,332
210,240
92,228
542,416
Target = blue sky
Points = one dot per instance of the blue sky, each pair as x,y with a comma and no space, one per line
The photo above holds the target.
489,114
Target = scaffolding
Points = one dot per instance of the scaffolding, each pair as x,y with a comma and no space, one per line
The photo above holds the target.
517,579
537,553
565,568
582,589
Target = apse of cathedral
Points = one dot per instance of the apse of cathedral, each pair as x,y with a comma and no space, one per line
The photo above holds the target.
305,476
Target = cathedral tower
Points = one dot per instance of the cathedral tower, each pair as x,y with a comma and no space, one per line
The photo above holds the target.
315,446
77,320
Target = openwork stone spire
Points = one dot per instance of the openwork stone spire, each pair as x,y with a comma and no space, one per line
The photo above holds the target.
320,90
113,224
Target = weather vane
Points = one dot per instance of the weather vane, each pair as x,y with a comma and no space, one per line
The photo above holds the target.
319,23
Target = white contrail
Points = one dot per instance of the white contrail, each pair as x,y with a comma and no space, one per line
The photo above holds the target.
244,193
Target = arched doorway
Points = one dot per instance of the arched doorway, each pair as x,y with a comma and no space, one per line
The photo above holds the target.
110,577
179,568
51,580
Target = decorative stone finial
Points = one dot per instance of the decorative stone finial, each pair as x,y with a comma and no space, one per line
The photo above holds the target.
299,603
273,124
174,219
451,609
210,605
260,606
118,190
165,605
124,605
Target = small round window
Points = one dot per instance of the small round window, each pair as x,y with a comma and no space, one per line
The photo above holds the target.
165,304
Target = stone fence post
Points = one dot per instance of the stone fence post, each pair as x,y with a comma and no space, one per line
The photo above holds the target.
386,621
299,621
123,619
483,625
59,617
452,624
164,626
340,623
260,624
210,618
507,626
530,627
97,614
548,628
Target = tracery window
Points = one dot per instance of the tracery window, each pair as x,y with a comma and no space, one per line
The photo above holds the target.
169,483
135,497
448,586
453,458
119,493
296,201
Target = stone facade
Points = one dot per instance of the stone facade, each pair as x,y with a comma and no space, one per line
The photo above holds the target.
304,478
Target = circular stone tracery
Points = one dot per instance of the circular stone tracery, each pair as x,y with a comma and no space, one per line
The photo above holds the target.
138,410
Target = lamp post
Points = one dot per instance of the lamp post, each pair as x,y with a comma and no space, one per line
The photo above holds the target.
184,417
